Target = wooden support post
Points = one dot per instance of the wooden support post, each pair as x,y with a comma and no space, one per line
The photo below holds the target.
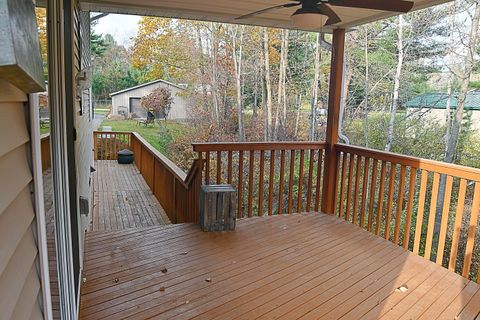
334,100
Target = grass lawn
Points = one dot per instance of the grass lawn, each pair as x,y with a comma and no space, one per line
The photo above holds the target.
103,111
45,129
159,136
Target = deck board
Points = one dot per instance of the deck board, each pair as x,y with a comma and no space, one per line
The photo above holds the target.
122,199
311,266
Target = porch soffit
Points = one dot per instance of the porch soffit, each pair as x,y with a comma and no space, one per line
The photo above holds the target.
226,11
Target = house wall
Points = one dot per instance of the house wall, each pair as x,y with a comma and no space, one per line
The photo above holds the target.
20,295
438,116
82,120
120,102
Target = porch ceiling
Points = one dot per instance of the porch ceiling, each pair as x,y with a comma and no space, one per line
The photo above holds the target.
227,10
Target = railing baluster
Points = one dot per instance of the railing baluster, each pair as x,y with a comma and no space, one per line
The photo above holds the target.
357,188
373,191
431,216
366,167
349,186
471,230
95,146
458,224
219,167
444,222
270,182
207,167
318,184
391,190
408,218
250,182
200,158
383,172
290,181
240,184
310,179
421,208
114,155
342,184
229,168
300,182
260,183
398,216
282,178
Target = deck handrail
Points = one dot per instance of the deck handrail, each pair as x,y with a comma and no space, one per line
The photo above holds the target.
429,207
257,146
175,190
301,192
45,151
179,174
418,163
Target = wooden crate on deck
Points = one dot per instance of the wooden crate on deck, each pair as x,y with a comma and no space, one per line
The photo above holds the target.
217,207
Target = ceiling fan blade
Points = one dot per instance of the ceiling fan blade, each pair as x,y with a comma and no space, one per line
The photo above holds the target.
286,5
390,5
332,16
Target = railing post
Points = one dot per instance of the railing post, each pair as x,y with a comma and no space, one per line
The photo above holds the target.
334,100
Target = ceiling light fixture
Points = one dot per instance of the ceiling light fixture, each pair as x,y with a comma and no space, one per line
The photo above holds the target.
308,19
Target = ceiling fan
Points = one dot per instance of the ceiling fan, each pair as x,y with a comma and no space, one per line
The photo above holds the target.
314,14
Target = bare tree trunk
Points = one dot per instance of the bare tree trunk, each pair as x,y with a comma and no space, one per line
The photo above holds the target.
281,92
465,79
214,73
237,61
396,84
297,120
316,77
453,128
268,85
367,80
448,115
201,69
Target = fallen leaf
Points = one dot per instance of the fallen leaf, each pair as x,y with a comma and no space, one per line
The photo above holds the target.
164,270
184,253
208,280
162,289
115,280
402,289
84,280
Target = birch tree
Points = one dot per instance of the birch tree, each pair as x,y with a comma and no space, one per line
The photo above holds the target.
268,85
316,76
396,84
237,54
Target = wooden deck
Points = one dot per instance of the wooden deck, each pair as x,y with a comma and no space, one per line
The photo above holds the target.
122,199
278,267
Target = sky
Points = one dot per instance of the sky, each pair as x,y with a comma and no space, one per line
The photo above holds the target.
122,27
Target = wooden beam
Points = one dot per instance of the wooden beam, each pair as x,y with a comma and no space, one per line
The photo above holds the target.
334,99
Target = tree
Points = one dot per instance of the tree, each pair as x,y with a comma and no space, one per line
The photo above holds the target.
268,85
237,53
112,70
160,100
41,16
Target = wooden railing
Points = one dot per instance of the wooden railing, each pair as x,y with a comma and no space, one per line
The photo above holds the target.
176,191
45,151
270,178
428,207
107,144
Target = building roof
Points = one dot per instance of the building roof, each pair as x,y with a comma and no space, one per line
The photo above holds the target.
439,101
146,84
227,10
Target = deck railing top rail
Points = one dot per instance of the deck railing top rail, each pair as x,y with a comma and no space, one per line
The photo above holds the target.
168,164
417,163
257,146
